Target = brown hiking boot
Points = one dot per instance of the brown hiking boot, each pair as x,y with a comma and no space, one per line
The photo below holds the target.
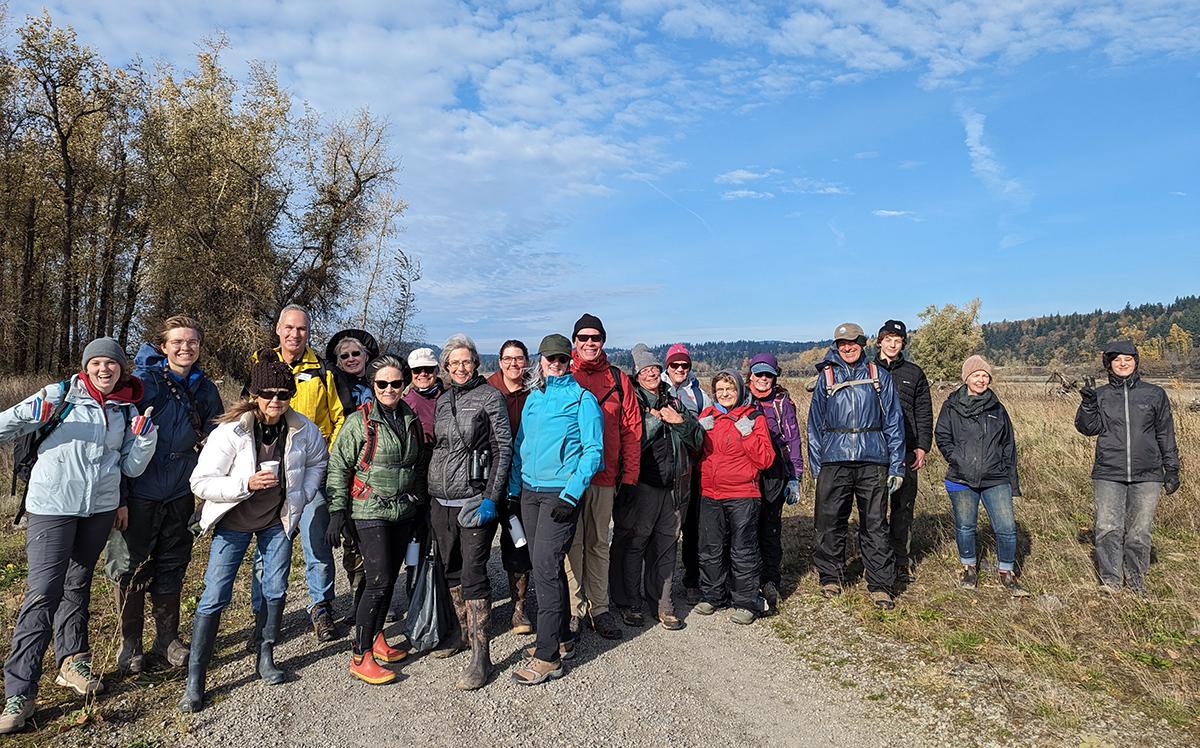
883,600
322,622
519,584
535,671
566,651
605,624
476,673
830,590
1008,581
458,638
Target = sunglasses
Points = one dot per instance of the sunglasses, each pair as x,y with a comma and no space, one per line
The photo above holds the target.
559,359
425,370
350,354
679,365
395,384
281,395
763,375
589,338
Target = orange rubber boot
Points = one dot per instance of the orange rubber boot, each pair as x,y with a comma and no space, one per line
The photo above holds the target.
365,668
386,652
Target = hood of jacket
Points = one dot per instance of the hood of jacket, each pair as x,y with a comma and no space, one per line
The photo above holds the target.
362,336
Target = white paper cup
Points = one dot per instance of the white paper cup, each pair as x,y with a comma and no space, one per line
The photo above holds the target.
516,531
272,465
413,554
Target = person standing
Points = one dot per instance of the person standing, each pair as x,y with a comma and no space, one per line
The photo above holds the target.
781,481
557,450
587,563
646,525
975,435
258,470
917,406
686,388
856,451
1136,459
160,503
73,501
316,399
509,380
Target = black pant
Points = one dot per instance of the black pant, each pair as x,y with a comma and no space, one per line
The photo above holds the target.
691,534
464,551
160,546
900,519
838,485
515,560
770,531
645,541
382,548
734,521
549,542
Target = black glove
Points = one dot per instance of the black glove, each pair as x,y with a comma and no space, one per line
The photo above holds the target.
625,492
333,534
564,512
1088,391
1171,482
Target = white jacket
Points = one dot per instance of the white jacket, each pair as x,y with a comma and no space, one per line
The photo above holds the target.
229,458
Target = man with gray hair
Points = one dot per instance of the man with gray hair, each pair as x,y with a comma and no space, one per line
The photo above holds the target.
317,399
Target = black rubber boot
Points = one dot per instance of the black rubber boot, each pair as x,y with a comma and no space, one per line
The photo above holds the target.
270,635
476,673
260,617
166,630
204,635
131,603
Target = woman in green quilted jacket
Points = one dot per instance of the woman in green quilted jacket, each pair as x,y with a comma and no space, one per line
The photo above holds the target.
374,471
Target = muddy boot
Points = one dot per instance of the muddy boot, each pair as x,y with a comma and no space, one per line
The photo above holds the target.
131,604
270,636
519,584
204,635
475,674
166,630
457,641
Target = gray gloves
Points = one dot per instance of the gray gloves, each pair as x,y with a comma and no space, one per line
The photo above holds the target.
893,483
707,422
744,425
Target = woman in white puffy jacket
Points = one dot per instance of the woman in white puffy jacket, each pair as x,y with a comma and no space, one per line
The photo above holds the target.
258,470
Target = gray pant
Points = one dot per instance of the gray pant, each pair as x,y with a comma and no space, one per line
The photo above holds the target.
645,539
61,553
1124,514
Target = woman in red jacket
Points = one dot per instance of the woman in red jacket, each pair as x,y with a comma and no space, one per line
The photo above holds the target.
737,447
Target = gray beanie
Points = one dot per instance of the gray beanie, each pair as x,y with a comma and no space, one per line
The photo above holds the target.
642,357
106,347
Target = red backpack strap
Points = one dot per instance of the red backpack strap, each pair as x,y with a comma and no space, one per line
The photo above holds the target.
828,371
368,453
874,370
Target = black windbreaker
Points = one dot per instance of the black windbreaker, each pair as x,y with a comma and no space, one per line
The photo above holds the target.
980,449
913,390
1137,434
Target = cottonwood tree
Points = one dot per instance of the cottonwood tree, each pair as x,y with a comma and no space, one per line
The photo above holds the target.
946,337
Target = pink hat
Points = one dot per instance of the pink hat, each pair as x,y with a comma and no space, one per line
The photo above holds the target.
678,352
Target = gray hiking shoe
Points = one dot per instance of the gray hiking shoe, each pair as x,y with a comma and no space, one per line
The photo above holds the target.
17,710
742,616
76,674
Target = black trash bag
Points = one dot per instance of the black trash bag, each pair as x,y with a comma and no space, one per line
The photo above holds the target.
430,612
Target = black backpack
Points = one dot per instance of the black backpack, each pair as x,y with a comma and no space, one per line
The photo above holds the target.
25,448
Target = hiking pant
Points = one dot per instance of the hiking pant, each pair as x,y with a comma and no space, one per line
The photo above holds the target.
1124,514
999,504
587,561
382,545
900,518
515,560
464,550
839,485
159,545
645,541
61,555
318,557
770,531
548,544
691,534
732,521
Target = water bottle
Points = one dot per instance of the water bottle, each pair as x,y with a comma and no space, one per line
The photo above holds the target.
413,555
516,532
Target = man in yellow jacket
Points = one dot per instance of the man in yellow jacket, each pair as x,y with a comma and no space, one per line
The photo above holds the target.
316,398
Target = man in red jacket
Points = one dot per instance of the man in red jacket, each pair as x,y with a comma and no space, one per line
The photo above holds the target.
587,561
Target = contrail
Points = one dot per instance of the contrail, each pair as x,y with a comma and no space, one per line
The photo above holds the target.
680,205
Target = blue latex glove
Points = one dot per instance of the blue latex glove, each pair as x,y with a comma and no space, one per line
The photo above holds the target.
792,497
487,511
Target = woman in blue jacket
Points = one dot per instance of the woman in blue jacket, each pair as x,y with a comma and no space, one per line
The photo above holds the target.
72,504
159,546
557,450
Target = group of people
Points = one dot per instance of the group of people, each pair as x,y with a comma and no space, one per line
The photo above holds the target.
370,452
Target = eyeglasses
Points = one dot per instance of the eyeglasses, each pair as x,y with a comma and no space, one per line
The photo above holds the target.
281,395
177,344
459,364
384,384
558,358
589,338
350,354
424,370
512,359
680,365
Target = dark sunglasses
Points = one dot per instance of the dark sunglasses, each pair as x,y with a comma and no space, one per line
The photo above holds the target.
395,384
425,370
350,354
559,359
589,338
679,365
764,374
281,395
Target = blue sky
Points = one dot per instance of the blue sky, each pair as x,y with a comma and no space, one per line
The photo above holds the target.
695,170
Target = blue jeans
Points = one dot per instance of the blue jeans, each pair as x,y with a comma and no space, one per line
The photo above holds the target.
1124,514
318,557
998,502
272,561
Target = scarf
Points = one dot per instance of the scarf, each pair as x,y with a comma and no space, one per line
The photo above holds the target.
970,406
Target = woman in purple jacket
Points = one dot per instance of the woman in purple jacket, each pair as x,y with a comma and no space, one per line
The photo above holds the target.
781,481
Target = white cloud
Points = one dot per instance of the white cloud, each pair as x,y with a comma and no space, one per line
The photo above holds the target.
862,155
910,164
839,236
809,186
1178,194
884,213
741,176
984,163
746,195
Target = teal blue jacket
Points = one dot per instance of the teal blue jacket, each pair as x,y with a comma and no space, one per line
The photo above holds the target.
560,444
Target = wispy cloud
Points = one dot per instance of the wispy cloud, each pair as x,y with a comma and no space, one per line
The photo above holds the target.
884,213
910,164
810,186
862,155
984,163
746,195
839,236
1178,194
742,176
